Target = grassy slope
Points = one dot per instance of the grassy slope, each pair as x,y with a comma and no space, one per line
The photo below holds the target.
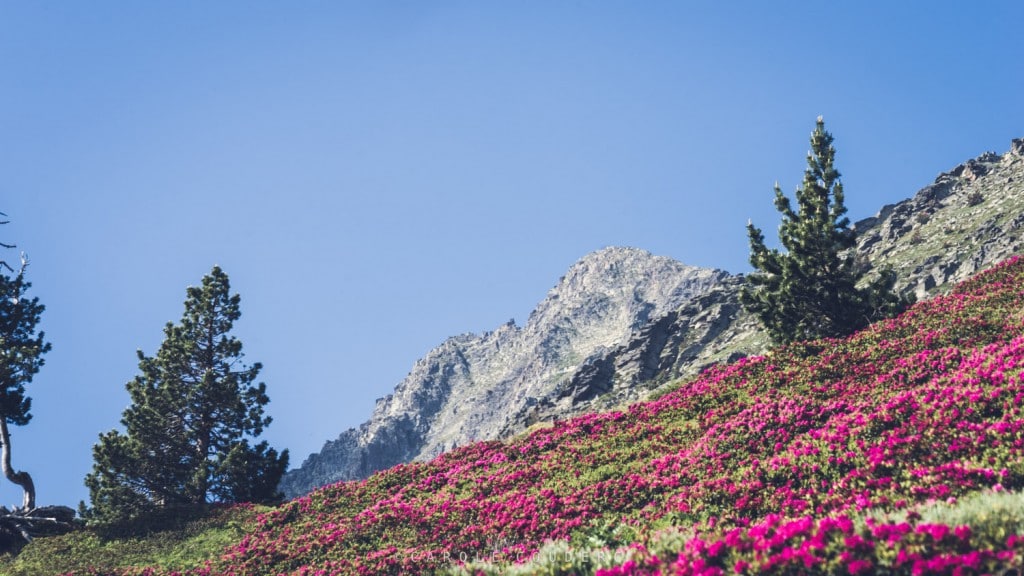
772,463
187,542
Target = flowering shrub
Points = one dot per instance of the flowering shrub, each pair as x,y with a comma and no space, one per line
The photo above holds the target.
831,545
768,462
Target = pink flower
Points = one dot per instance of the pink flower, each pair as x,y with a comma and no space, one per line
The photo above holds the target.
858,566
963,532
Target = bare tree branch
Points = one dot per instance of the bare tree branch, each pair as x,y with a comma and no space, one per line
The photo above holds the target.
22,479
3,263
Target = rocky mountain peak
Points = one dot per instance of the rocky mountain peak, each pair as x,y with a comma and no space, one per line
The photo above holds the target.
619,272
483,386
610,265
614,289
1017,147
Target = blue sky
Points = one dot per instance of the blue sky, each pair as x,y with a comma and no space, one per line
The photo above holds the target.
375,177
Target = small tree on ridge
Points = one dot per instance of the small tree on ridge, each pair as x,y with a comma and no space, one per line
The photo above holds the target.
810,291
21,356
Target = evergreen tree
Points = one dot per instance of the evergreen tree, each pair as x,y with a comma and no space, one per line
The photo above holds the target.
811,290
21,356
194,407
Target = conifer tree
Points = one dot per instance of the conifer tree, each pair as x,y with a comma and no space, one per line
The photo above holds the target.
21,356
194,408
811,290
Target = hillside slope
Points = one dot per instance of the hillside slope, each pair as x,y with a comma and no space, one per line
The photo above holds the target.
621,323
814,457
926,406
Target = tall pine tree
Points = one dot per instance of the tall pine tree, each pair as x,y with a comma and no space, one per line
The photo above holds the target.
194,408
21,356
811,290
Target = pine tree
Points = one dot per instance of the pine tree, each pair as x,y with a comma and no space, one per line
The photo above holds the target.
811,290
194,408
21,356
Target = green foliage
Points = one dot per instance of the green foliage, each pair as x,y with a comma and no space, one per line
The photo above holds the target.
991,515
194,407
185,543
21,356
810,291
561,558
554,558
21,347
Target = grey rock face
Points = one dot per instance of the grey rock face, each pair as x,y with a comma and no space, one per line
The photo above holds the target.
968,219
477,387
709,329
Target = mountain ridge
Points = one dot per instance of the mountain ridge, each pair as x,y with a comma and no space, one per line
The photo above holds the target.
660,333
466,388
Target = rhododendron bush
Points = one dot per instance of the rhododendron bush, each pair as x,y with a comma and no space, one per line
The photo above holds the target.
774,463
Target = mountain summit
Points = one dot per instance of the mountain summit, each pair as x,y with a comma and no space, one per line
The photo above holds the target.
484,386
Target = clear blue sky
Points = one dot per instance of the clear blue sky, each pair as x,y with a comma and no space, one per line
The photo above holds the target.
377,176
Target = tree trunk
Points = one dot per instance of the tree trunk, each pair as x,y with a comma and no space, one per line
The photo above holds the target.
20,478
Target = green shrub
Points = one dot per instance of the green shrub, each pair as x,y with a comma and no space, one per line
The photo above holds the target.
992,516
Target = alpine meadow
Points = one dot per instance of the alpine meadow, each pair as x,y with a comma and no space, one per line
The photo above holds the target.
485,289
897,449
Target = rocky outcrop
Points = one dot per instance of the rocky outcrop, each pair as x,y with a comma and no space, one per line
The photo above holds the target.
20,526
966,220
479,386
711,328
